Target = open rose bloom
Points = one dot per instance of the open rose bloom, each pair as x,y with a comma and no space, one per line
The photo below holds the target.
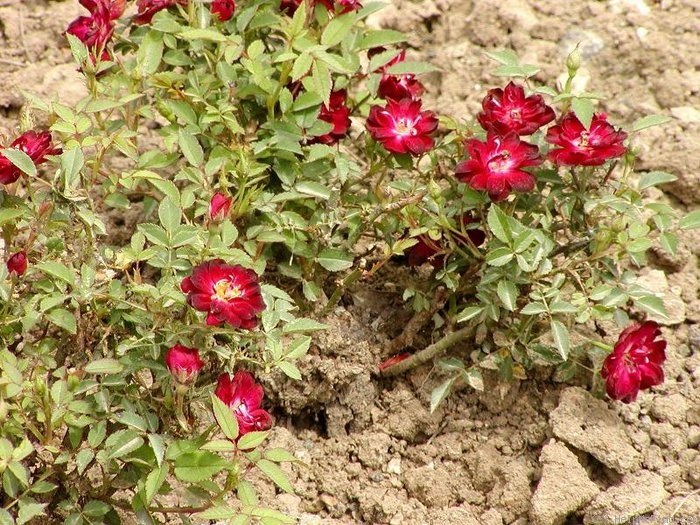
578,146
229,293
509,110
401,126
37,145
244,397
635,362
148,8
223,9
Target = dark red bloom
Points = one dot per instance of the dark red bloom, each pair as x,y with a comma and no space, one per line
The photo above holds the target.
635,362
336,113
113,8
348,5
288,7
17,263
219,206
427,249
183,362
579,146
506,110
223,9
397,87
244,396
402,127
96,30
148,8
36,145
496,165
230,293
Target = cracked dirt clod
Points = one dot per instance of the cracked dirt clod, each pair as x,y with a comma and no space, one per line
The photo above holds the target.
563,488
636,494
587,424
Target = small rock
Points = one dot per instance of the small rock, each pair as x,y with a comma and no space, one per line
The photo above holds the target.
588,424
491,517
589,43
394,466
636,494
563,488
686,114
454,516
670,408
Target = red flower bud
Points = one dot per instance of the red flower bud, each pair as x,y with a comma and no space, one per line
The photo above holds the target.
228,293
219,206
397,87
579,146
635,362
336,113
184,363
148,8
36,145
17,263
244,396
223,9
402,127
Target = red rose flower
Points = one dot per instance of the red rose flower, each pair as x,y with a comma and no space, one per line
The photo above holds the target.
219,206
336,113
397,87
36,145
579,146
230,293
148,8
96,30
635,362
348,5
17,263
426,249
288,7
402,127
244,396
113,8
496,165
223,9
510,110
184,363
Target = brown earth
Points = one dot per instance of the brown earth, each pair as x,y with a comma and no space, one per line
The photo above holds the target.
530,452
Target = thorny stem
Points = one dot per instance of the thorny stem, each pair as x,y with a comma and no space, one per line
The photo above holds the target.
427,354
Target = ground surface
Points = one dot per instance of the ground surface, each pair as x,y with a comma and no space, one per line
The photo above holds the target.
533,452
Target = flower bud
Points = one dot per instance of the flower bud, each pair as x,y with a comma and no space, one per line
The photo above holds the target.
17,263
219,206
184,363
573,61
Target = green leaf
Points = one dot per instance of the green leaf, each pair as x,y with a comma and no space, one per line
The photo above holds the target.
562,307
29,511
474,379
57,269
290,370
10,214
252,440
649,121
128,442
63,319
303,325
150,52
157,446
104,366
96,508
72,161
154,481
507,293
507,57
499,256
279,455
20,472
322,81
225,417
276,474
191,148
533,309
468,313
314,189
440,392
337,29
411,68
560,333
202,34
169,214
219,445
335,260
382,38
690,221
199,466
298,347
246,493
499,225
583,108
652,305
301,66
20,159
654,178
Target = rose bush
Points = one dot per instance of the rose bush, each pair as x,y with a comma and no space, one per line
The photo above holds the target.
211,187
